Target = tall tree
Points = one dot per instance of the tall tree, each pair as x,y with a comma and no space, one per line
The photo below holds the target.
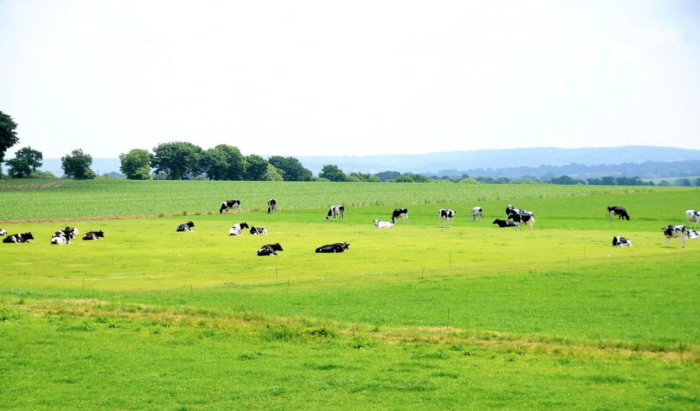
8,136
224,162
25,162
291,168
77,165
256,169
178,159
332,173
136,164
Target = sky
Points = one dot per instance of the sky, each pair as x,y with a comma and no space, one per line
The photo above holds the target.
308,78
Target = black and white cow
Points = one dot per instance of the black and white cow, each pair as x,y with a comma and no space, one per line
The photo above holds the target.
692,234
186,227
257,230
520,218
333,248
621,242
512,210
336,210
620,212
237,228
477,212
382,224
3,233
399,212
94,235
73,230
18,238
62,238
504,223
271,206
269,249
230,204
446,214
692,216
675,231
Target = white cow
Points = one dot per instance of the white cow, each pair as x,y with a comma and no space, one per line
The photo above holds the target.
692,216
692,234
382,224
477,212
3,233
675,231
446,214
237,228
621,242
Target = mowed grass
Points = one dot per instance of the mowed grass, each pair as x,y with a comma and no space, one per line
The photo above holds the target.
414,317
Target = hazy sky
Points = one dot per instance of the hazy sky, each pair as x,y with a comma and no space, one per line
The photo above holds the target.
350,78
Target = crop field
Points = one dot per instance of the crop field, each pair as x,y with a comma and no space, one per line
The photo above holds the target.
412,317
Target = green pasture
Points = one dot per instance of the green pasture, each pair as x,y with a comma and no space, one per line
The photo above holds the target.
413,317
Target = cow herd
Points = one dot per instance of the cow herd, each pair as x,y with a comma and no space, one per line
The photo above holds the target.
515,217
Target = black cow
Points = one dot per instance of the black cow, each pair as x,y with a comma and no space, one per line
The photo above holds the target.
519,218
504,223
620,212
230,204
675,231
272,206
621,242
338,210
269,249
94,235
186,227
257,230
18,238
399,212
446,214
333,248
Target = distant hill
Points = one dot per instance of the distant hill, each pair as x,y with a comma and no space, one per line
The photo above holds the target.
487,160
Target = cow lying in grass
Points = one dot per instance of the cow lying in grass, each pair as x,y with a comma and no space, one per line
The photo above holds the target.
382,224
93,235
333,248
504,223
269,249
257,230
18,238
63,237
674,231
621,242
237,228
3,233
692,234
185,227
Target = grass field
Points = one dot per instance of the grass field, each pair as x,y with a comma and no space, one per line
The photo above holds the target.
413,317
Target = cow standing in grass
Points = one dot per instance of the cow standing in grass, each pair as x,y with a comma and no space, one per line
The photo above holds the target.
237,228
336,210
398,213
620,212
477,213
230,204
519,219
692,216
272,206
674,231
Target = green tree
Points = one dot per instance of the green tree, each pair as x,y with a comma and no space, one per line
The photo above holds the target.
291,168
136,164
332,173
273,174
388,175
8,136
178,159
256,168
26,162
224,162
77,165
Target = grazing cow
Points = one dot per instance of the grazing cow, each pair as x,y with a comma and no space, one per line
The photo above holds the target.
446,214
257,230
186,227
237,228
333,248
94,235
692,216
692,234
621,242
477,212
230,204
18,238
504,223
399,212
336,210
518,219
620,212
675,231
512,210
269,249
382,224
272,206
